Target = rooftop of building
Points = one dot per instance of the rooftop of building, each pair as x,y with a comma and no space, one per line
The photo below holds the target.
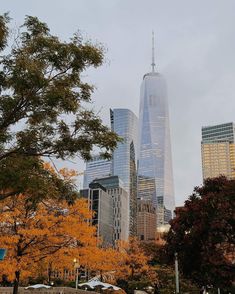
228,124
152,74
218,133
111,182
95,185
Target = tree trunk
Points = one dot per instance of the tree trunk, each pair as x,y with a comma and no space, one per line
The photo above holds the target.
101,276
16,282
132,272
49,272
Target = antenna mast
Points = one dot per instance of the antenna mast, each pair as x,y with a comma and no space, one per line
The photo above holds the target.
153,61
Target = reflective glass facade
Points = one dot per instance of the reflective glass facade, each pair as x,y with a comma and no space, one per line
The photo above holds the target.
218,133
218,151
96,168
155,177
125,123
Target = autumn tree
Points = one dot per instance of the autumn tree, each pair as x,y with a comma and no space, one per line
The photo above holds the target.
203,234
135,266
43,102
32,235
104,262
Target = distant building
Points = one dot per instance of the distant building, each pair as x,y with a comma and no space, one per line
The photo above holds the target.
120,205
97,167
84,193
146,220
155,175
218,151
178,210
101,204
125,123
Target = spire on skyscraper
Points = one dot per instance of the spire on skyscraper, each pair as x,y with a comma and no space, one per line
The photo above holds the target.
153,61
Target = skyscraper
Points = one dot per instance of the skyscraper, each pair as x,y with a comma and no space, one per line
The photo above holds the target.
97,167
155,176
125,123
218,151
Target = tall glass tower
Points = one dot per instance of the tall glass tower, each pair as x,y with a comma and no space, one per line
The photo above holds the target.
125,123
155,176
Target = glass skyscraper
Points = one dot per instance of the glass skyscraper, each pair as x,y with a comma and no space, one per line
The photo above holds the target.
155,176
125,123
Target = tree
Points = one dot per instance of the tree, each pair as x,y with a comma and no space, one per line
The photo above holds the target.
28,175
43,100
203,234
105,262
54,229
135,267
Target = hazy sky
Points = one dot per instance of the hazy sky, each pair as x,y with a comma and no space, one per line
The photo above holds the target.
195,47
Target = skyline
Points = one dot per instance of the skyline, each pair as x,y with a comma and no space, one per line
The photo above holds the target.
194,48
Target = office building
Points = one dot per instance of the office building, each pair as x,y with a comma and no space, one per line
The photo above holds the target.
155,175
101,204
146,220
125,123
120,205
218,151
97,167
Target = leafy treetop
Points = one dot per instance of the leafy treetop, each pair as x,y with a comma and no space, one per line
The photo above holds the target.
203,233
43,95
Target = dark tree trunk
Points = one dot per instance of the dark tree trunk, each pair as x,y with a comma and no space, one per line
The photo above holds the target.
132,272
101,276
16,282
49,273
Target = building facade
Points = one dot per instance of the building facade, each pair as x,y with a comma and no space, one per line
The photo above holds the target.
120,205
101,204
146,220
155,175
218,151
125,123
96,168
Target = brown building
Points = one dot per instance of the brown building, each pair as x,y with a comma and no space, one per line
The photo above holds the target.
146,220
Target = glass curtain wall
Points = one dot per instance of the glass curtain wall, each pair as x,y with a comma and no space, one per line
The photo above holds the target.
125,123
155,177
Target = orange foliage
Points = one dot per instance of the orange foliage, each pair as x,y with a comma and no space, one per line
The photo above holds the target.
53,230
135,263
47,238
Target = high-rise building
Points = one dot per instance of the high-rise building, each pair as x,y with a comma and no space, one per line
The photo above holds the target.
155,176
97,167
101,204
120,206
146,220
125,123
218,151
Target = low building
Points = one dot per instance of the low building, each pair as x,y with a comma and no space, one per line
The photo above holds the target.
146,220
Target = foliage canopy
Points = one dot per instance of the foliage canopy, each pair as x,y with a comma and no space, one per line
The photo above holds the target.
203,234
43,100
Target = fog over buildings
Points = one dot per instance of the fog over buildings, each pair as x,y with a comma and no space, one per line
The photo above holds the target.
195,48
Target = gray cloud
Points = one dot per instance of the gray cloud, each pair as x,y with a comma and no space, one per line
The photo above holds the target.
195,51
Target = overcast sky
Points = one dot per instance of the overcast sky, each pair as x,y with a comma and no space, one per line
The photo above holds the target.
195,48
